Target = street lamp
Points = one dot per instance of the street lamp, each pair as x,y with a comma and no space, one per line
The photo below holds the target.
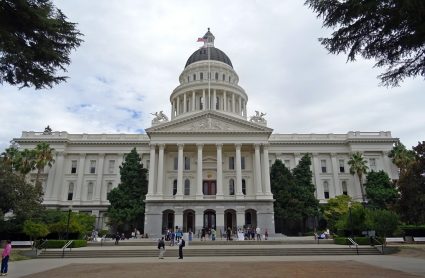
69,218
350,218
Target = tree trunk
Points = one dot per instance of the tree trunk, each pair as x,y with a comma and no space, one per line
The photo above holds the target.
362,189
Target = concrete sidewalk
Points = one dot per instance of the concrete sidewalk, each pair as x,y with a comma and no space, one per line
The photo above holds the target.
409,265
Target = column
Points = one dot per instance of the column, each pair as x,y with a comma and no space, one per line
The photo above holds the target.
257,168
99,178
80,177
335,171
160,182
193,101
199,219
199,194
319,187
184,103
180,172
240,216
224,101
178,217
178,105
219,171
386,165
214,100
219,220
151,184
58,183
209,99
266,170
233,103
239,194
204,101
297,157
50,182
172,109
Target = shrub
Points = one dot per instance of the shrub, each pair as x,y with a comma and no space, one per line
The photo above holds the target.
358,240
61,243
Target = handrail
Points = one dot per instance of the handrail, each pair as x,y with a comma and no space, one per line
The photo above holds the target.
316,237
66,246
354,243
40,246
379,243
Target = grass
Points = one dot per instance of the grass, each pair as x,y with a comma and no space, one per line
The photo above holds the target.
18,255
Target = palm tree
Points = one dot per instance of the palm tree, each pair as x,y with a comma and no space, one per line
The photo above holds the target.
358,166
401,157
26,162
10,158
43,158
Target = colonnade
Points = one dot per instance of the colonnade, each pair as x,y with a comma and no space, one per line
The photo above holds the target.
261,171
207,100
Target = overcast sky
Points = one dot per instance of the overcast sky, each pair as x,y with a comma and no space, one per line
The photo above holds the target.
134,51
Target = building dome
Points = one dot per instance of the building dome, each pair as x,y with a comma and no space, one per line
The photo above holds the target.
202,54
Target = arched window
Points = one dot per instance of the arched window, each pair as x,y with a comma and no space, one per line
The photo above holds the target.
201,103
231,187
326,189
217,103
248,218
187,187
216,76
243,187
174,187
194,77
201,76
90,191
224,77
70,191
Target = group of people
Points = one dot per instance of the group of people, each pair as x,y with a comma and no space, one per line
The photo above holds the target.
210,232
247,233
161,246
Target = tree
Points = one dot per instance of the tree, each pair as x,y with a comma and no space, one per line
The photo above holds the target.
411,205
35,41
401,157
43,158
380,190
127,200
391,32
35,230
25,162
384,222
57,221
335,209
358,166
354,221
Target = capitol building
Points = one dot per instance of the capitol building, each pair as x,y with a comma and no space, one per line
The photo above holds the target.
208,160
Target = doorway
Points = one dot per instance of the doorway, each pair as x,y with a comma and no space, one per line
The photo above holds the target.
209,219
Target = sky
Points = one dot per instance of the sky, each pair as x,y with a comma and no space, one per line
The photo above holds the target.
134,51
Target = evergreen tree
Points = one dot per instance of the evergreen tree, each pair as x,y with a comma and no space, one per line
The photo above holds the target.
380,190
127,200
411,205
35,42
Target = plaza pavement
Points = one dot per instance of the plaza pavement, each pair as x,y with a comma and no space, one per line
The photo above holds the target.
407,265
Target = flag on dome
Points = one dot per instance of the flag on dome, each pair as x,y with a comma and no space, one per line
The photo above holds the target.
201,40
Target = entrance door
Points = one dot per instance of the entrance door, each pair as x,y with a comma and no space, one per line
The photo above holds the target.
229,220
210,187
209,219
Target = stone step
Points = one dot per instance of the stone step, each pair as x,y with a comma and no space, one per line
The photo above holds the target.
211,252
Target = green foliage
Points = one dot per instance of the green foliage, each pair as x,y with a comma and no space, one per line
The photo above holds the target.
358,166
358,240
335,209
411,184
391,32
354,220
127,200
57,222
53,244
35,230
380,190
401,157
293,192
43,157
35,42
384,222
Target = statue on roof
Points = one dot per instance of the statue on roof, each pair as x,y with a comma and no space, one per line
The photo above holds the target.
258,118
160,117
47,131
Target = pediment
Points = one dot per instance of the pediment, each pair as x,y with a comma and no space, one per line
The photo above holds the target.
209,122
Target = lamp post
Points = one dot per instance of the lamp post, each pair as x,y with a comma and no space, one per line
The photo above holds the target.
69,218
350,218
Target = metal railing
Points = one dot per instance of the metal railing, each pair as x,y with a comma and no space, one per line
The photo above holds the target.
352,242
382,250
41,246
68,244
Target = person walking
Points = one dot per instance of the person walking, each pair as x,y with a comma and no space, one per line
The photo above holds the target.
182,244
117,238
161,247
258,232
229,233
5,257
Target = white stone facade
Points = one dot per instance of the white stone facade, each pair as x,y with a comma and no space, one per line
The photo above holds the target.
208,165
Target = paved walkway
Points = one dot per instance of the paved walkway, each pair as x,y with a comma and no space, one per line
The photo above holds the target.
330,266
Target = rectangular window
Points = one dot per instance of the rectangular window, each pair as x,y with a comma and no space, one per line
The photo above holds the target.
109,187
111,166
341,166
243,162
232,163
344,187
90,191
187,163
372,164
92,166
70,191
323,164
176,163
326,189
148,162
73,166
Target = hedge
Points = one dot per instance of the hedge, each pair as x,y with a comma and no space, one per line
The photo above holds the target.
61,243
358,240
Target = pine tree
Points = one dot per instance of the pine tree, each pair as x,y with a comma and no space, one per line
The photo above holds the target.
127,200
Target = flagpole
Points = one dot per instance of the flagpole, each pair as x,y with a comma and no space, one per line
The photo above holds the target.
209,76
